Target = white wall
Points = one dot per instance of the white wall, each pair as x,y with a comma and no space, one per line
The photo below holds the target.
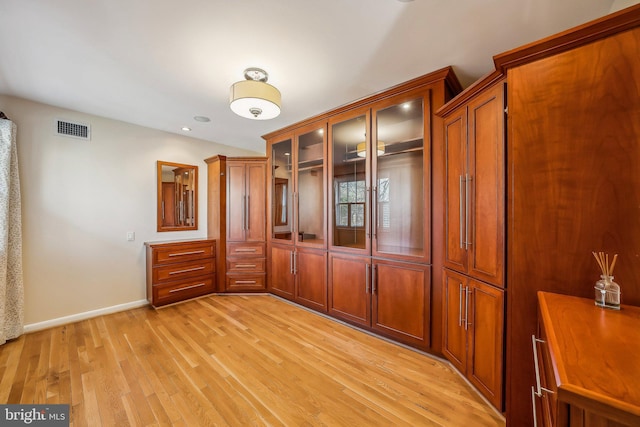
622,4
80,198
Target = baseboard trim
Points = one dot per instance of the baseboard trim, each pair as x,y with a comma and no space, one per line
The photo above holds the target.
32,327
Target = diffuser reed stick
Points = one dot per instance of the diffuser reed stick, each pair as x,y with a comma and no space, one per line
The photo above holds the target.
607,291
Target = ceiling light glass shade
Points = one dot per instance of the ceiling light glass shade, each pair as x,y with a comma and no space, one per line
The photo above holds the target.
361,149
255,99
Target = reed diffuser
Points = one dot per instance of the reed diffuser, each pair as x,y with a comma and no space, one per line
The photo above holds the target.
607,291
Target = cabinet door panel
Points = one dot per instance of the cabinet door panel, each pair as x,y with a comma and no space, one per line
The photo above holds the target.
401,301
311,279
256,202
455,256
455,338
486,319
281,191
401,219
235,202
349,296
281,277
487,169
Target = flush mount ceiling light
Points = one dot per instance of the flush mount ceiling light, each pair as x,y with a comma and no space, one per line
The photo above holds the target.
361,149
254,98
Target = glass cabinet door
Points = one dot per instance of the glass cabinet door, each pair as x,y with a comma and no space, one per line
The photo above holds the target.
310,215
282,190
398,189
349,151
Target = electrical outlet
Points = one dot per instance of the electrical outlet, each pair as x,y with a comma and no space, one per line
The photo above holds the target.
131,236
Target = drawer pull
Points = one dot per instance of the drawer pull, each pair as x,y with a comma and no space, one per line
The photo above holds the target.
246,250
246,266
186,253
186,287
186,271
536,365
245,282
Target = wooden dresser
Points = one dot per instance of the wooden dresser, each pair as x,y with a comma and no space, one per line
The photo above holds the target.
587,370
179,270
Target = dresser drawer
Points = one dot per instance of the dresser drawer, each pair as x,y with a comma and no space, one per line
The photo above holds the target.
183,270
167,293
179,252
246,249
246,282
249,265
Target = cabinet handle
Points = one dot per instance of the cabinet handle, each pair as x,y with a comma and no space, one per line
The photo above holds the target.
460,306
244,210
373,280
466,308
246,250
245,266
468,293
186,287
461,214
291,262
248,215
246,282
186,271
374,211
366,278
186,253
295,262
294,213
536,367
367,225
162,210
466,213
533,405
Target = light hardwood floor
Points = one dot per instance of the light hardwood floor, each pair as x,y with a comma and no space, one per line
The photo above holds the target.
237,361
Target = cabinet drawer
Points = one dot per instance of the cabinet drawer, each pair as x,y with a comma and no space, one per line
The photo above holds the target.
183,270
168,254
249,265
246,249
177,291
245,282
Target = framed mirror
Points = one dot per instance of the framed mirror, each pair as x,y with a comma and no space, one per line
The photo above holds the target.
280,208
177,196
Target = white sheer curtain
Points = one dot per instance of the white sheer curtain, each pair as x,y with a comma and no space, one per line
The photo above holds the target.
11,287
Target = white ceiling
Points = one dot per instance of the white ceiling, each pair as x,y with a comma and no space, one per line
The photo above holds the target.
159,63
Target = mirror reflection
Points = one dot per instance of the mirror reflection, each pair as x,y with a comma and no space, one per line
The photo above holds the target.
177,196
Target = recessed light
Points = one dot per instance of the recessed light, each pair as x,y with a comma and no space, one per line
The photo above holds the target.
203,119
186,129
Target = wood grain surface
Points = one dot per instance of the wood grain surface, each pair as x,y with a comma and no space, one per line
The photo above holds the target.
233,360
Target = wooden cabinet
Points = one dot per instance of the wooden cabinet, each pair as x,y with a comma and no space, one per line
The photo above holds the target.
237,219
474,187
179,270
574,110
350,211
388,297
474,236
297,218
299,274
401,301
474,329
379,174
586,371
349,288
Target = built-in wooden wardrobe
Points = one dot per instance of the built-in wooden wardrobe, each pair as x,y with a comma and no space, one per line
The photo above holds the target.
474,243
573,156
350,196
236,218
564,183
